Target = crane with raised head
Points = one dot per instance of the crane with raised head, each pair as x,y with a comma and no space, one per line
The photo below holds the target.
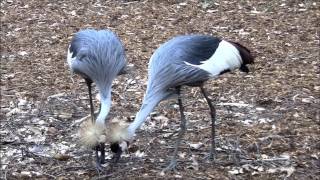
98,56
188,60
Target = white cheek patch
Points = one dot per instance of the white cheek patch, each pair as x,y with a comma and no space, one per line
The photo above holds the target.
69,58
124,146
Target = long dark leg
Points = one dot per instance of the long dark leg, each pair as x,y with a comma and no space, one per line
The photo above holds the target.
89,82
100,159
103,153
213,119
102,147
173,162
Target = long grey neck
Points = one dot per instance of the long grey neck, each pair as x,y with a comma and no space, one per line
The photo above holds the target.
104,111
146,108
105,108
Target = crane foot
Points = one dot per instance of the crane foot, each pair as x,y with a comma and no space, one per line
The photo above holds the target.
171,166
98,167
211,156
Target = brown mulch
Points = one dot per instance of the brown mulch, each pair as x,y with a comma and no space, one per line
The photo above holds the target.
271,131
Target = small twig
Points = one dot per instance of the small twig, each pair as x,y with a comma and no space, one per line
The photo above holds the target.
111,174
235,104
264,160
171,147
8,95
79,121
54,177
127,3
103,177
7,142
308,57
77,167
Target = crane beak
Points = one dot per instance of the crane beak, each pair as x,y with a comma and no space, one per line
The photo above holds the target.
244,68
118,149
116,157
100,159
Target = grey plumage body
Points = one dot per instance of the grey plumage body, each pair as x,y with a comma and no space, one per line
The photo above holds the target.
187,60
168,68
98,56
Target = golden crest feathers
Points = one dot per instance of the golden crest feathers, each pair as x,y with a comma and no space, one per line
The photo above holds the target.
91,134
116,130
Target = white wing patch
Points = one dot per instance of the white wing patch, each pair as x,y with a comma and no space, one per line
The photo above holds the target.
225,57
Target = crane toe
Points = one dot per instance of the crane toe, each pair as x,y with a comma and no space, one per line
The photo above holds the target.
171,166
211,156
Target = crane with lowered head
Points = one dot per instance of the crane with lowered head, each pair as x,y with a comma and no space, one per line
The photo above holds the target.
97,56
188,60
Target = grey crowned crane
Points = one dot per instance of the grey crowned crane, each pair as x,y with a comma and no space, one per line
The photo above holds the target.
98,56
184,60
